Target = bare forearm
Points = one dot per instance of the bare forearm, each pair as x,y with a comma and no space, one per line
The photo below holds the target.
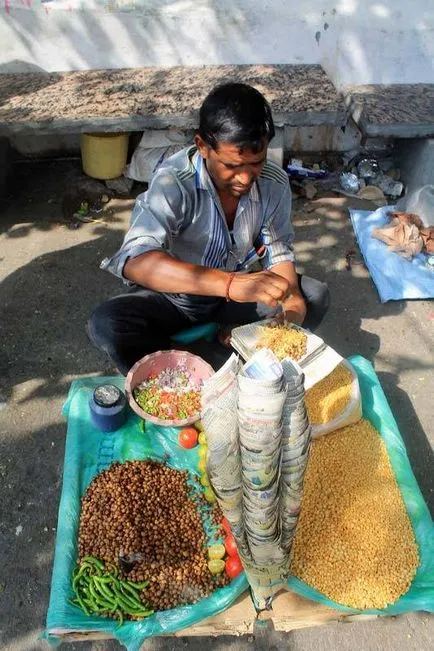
159,271
287,271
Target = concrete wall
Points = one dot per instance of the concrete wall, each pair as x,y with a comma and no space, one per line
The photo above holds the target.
357,41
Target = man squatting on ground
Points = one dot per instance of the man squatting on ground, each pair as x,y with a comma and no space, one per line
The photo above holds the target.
211,210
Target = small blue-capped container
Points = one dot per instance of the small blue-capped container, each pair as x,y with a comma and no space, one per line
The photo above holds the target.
108,408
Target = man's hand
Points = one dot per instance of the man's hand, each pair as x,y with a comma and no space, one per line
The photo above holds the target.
295,309
261,287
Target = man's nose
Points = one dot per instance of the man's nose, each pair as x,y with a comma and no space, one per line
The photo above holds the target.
245,176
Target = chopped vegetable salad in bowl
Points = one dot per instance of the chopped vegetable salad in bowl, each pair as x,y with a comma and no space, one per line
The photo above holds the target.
164,387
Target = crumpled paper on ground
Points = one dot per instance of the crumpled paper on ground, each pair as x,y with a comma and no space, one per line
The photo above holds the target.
402,234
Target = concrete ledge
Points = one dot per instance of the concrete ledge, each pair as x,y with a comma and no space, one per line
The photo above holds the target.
392,111
157,98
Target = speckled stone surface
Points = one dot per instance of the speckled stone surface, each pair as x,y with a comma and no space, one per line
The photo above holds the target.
393,109
160,96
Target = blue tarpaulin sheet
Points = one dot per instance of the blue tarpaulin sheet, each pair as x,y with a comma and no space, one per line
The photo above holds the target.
395,277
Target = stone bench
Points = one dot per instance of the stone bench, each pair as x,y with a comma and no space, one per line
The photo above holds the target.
157,98
50,108
392,111
404,114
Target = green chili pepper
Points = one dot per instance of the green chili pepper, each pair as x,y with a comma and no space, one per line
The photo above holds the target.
93,593
134,605
82,575
130,607
98,589
82,591
130,591
112,569
131,604
83,570
101,599
116,582
133,593
107,606
93,561
139,586
148,613
120,617
135,612
82,605
75,581
126,600
104,592
106,578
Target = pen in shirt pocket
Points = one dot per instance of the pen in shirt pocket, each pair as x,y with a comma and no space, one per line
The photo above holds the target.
255,254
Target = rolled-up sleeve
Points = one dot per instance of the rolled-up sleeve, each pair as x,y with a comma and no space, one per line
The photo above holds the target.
277,232
158,216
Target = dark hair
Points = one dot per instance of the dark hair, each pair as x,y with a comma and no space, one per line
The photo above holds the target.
236,113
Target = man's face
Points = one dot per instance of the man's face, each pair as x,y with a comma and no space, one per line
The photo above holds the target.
233,172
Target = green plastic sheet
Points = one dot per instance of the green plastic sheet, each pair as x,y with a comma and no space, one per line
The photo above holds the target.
375,408
89,451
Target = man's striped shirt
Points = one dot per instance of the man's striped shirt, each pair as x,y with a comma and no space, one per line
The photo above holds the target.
181,214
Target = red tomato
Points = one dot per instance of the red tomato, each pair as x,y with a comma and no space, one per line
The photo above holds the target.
188,437
226,526
233,566
231,545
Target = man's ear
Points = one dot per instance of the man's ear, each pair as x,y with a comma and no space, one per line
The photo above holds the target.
202,146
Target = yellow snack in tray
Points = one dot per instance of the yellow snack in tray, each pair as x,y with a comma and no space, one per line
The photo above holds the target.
283,341
329,397
354,540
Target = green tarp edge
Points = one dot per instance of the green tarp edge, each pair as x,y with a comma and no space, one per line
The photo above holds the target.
83,461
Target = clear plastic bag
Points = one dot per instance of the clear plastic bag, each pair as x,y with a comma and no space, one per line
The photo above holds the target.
352,412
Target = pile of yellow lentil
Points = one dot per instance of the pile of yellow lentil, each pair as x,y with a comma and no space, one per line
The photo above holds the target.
329,397
354,541
284,341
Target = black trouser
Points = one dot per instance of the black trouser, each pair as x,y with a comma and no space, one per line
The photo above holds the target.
137,323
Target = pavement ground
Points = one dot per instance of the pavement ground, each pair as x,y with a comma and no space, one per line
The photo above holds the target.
49,283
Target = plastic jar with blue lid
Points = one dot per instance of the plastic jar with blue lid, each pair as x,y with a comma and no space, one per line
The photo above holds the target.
107,407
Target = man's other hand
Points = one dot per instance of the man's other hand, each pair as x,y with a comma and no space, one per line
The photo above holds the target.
295,309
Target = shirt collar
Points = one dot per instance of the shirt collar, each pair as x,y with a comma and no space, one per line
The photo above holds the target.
204,182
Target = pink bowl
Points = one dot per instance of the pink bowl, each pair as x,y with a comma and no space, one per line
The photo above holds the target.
154,364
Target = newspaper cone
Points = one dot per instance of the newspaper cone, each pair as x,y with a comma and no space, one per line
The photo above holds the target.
259,439
220,422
